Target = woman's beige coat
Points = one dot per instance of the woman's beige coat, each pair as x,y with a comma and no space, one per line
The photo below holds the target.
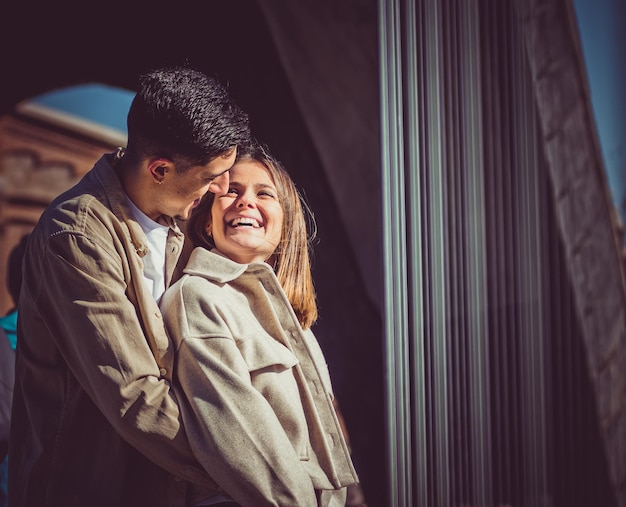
254,389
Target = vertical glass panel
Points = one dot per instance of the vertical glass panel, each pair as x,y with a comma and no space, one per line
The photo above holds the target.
487,388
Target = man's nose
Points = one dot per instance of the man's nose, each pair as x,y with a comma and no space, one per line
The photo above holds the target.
219,185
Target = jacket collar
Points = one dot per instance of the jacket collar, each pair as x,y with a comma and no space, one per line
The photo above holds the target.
213,265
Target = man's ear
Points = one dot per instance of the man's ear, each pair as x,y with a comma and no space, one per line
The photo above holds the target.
159,168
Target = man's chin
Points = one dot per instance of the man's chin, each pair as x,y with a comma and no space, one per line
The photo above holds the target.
184,216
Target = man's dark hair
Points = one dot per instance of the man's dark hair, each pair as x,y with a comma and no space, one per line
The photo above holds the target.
184,115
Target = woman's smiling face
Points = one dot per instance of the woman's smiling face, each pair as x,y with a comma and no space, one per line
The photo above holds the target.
247,221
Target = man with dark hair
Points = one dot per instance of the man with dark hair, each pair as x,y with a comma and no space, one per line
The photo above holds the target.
94,420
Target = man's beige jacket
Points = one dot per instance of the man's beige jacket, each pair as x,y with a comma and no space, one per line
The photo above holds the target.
95,422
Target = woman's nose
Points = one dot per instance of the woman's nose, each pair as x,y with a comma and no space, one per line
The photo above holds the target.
245,200
219,185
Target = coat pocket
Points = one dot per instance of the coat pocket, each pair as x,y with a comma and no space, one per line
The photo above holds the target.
262,353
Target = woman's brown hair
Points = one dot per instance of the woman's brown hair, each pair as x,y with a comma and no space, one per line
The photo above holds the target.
292,256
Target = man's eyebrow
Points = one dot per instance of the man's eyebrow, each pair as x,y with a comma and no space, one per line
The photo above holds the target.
213,176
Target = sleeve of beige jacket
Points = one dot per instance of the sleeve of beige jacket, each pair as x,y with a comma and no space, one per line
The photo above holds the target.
232,428
83,290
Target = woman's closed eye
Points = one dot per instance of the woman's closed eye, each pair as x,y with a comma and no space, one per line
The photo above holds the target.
263,192
266,193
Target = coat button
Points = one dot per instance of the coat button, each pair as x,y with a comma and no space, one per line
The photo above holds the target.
163,371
